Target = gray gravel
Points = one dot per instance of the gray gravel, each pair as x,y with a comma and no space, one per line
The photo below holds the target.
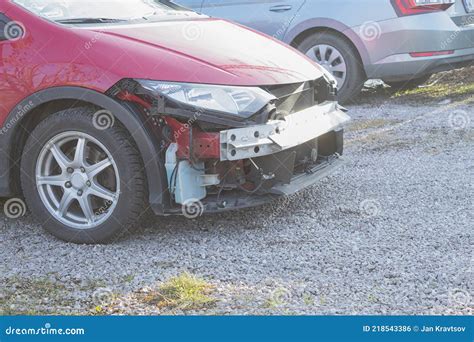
391,233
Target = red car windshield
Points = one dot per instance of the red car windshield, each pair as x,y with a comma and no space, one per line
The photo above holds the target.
66,10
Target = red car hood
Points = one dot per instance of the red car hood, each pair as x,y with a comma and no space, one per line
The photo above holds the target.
204,51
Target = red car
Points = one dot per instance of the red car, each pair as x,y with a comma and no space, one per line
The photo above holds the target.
110,107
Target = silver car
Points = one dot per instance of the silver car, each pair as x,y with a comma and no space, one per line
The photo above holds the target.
402,42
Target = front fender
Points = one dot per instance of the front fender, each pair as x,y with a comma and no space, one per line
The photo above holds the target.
130,118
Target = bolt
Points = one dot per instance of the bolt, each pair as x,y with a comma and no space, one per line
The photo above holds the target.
70,170
83,170
68,185
79,193
88,183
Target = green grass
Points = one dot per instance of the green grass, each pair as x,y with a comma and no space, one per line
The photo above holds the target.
308,299
453,85
438,91
129,278
185,292
277,299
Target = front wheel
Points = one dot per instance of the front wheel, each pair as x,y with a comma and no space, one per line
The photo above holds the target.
85,184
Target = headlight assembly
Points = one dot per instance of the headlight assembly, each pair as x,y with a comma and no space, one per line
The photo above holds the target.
239,101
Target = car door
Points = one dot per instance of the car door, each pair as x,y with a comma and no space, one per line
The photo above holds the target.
272,17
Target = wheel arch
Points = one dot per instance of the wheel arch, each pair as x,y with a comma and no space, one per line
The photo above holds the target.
29,112
297,34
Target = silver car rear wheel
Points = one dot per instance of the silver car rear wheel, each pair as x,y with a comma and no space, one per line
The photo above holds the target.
331,59
77,180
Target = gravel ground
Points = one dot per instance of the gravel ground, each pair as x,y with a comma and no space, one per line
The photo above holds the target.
390,233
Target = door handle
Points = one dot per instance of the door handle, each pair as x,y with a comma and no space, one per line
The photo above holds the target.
281,8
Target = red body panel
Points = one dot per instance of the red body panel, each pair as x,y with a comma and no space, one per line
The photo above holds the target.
96,57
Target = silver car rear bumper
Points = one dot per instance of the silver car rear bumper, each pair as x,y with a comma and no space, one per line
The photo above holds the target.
403,66
393,40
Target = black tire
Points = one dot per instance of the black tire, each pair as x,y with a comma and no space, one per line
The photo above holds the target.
409,84
117,140
356,77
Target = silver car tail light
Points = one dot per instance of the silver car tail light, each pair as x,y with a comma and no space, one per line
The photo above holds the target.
413,7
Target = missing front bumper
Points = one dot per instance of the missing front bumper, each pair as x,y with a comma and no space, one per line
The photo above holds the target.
239,200
261,162
312,176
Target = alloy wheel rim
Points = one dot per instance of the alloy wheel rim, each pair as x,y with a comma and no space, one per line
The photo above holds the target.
77,180
330,59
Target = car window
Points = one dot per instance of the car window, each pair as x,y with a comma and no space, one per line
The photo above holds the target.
62,10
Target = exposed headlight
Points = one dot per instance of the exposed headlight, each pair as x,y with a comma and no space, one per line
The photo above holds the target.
240,101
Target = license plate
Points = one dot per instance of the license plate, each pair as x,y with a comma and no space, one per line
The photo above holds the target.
469,5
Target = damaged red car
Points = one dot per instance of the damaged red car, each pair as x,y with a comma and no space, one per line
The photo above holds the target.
108,108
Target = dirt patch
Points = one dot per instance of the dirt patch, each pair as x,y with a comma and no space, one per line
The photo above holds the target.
455,77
